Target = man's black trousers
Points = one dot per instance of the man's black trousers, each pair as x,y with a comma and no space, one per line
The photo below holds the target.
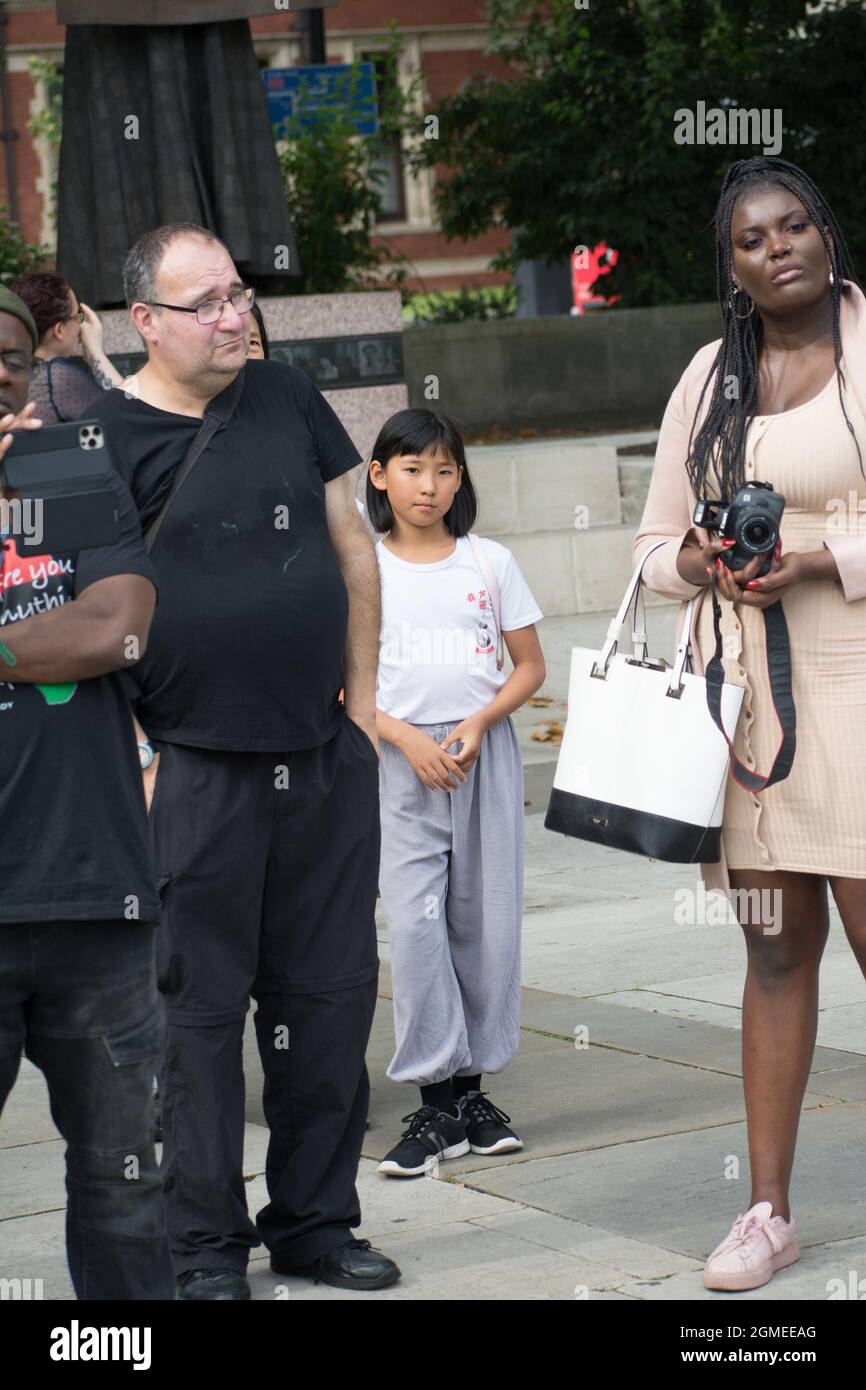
80,999
268,866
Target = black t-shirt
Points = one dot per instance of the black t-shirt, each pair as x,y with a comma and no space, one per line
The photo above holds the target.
73,827
247,645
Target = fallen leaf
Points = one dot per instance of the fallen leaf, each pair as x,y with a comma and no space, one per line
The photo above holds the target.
548,733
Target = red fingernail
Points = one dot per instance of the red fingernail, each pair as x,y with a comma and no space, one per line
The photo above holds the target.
728,543
754,584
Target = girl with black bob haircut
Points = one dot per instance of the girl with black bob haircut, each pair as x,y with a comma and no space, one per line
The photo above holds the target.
413,431
450,787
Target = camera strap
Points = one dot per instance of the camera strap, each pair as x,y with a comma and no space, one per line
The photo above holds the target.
779,668
218,413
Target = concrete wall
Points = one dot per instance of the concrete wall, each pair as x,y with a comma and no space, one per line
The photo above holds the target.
610,370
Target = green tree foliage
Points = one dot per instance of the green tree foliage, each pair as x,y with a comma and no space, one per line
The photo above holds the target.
468,304
579,146
17,255
333,183
47,123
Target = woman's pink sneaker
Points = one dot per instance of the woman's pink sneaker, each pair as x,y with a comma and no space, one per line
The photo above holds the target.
759,1244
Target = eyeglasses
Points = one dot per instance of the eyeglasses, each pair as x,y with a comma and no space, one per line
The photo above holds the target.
18,363
212,309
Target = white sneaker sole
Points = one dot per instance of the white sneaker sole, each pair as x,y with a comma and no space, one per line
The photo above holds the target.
393,1170
753,1278
502,1146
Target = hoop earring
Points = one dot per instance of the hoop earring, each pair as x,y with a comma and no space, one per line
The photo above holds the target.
832,277
732,306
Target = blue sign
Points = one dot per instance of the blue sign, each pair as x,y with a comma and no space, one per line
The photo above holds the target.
300,93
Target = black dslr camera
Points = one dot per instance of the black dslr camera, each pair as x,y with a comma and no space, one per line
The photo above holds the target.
752,520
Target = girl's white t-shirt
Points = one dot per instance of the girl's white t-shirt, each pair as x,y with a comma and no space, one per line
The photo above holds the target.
437,644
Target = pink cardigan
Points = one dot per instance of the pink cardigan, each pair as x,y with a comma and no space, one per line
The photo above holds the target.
670,501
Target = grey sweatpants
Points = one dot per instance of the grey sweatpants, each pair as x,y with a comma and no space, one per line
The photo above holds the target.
451,884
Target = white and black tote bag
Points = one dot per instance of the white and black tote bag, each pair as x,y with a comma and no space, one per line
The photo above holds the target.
643,766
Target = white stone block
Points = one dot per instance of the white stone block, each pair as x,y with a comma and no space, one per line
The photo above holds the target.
545,560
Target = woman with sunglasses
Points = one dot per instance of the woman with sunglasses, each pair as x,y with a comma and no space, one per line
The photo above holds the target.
62,386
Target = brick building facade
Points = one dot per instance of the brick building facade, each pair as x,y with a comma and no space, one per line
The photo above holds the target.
445,42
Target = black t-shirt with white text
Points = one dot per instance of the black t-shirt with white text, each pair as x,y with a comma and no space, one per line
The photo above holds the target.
74,841
247,646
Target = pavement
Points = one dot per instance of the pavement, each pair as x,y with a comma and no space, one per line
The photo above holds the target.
626,1091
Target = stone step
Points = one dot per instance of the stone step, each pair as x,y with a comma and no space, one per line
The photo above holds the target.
581,571
557,484
634,481
567,509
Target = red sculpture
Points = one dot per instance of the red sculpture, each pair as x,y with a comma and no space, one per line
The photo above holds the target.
587,267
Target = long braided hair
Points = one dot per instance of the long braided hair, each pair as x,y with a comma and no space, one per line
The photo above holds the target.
719,442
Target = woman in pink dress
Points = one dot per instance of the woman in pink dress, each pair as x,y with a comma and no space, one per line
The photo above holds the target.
781,398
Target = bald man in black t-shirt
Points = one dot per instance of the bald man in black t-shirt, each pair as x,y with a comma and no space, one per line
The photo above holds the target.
265,811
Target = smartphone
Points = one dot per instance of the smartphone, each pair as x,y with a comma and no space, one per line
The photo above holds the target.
60,477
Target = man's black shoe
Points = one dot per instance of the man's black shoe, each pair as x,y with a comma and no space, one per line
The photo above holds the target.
354,1265
212,1284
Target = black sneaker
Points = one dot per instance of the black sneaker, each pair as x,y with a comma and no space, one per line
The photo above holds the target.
486,1127
432,1134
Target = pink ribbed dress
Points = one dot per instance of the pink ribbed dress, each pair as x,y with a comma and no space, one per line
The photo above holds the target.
815,820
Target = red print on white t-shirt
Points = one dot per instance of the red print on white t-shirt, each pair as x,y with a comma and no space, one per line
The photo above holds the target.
483,636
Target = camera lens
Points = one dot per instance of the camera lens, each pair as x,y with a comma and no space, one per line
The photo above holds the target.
758,534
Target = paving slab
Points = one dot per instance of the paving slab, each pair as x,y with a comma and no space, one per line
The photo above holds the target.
26,1118
671,1191
821,1272
626,876
609,946
34,1247
843,1026
609,1024
676,1006
32,1178
841,982
840,1027
606,949
633,1258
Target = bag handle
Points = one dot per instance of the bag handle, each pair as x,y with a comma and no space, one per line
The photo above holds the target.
615,627
217,414
489,577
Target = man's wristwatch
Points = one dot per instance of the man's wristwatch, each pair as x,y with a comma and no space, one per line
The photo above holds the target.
146,754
